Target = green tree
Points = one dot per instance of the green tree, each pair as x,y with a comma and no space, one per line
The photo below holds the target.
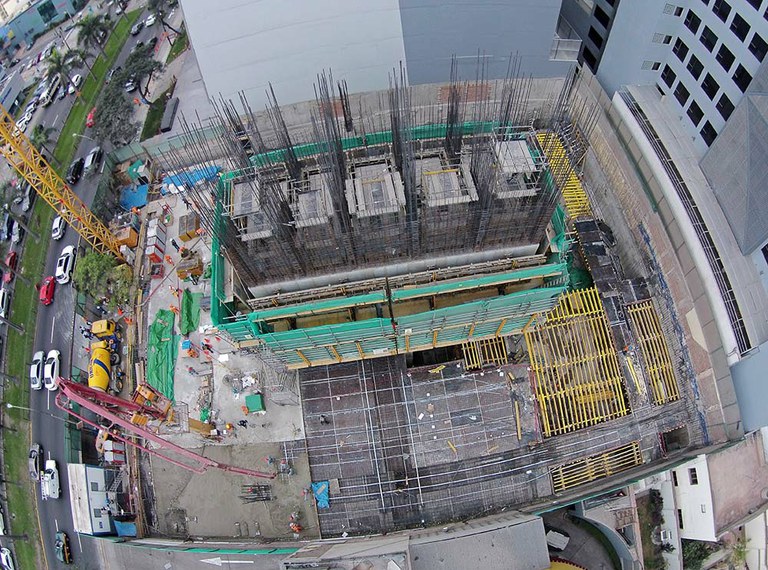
694,553
157,7
92,272
120,281
90,29
113,116
61,64
41,137
140,65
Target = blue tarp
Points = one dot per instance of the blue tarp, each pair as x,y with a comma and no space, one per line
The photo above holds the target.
320,490
189,177
131,197
125,528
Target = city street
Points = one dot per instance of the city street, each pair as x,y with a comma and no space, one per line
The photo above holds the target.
54,331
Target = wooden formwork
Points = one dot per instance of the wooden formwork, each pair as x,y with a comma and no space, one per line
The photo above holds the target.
655,352
594,467
576,374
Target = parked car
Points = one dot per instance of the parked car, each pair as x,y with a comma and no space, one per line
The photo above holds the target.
61,92
137,28
47,289
35,461
11,259
90,120
92,160
51,373
5,303
65,265
7,227
61,548
75,171
2,523
50,485
151,19
36,370
6,559
17,232
130,85
151,44
112,73
76,81
58,228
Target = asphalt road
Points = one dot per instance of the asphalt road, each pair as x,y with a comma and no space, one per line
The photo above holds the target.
54,330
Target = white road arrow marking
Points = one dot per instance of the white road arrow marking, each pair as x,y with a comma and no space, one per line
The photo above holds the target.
220,562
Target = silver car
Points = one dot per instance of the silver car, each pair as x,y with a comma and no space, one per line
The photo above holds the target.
36,371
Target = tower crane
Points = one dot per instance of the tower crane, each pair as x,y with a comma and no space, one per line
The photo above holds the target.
34,168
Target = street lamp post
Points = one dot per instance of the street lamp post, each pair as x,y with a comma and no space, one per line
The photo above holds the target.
15,407
84,137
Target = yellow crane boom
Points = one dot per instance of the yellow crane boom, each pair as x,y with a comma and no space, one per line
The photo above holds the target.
32,166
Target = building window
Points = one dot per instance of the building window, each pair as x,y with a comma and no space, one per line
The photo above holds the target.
695,113
674,478
692,475
708,38
725,57
680,49
660,90
764,249
97,513
721,9
724,106
703,508
662,39
681,94
742,78
695,67
595,37
755,3
602,17
668,76
710,86
692,21
672,10
708,133
680,518
654,65
589,58
758,47
611,2
740,27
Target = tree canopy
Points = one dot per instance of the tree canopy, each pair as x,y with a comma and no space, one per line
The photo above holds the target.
98,275
91,29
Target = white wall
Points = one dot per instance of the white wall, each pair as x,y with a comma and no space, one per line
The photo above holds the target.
245,44
693,499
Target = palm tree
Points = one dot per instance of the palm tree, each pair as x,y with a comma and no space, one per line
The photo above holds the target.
61,64
90,28
41,137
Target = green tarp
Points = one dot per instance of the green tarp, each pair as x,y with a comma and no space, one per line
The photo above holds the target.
190,312
162,350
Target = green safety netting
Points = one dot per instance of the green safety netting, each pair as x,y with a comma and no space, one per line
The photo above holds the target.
190,312
162,349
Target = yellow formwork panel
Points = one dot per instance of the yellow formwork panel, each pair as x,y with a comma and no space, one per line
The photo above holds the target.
594,467
472,358
485,351
576,373
574,196
655,352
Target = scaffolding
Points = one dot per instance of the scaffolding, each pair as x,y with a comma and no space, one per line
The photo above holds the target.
595,467
574,196
654,352
576,373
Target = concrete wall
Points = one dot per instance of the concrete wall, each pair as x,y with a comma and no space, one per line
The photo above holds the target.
433,31
695,501
630,43
246,44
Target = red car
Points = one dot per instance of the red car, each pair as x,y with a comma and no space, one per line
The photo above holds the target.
11,259
46,290
90,120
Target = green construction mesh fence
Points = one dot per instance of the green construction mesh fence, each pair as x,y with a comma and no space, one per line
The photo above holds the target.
162,350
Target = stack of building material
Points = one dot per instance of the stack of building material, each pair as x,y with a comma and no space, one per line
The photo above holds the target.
190,267
188,226
114,452
156,236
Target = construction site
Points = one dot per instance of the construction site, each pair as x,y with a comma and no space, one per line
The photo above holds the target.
418,289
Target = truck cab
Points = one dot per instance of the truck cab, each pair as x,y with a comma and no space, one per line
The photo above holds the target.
50,487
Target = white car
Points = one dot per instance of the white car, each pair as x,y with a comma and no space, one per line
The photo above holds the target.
5,302
51,373
6,559
59,227
77,79
151,19
36,370
65,265
2,524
